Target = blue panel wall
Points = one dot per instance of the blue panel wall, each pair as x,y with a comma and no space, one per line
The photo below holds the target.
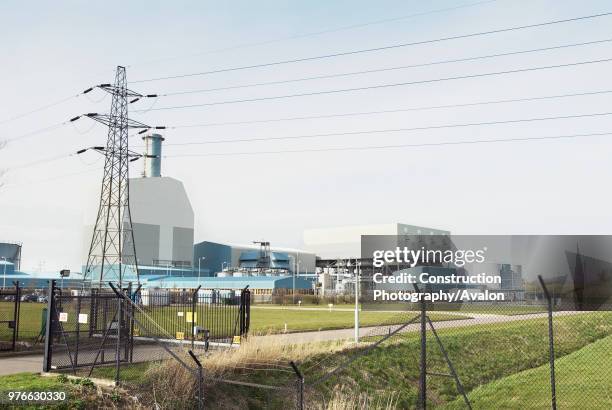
215,256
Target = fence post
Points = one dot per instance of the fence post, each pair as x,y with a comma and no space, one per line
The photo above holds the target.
78,331
245,311
132,310
423,357
128,327
194,301
200,386
16,314
300,386
49,328
93,313
551,345
118,327
206,340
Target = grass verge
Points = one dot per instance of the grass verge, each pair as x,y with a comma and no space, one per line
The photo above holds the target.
584,380
480,354
80,393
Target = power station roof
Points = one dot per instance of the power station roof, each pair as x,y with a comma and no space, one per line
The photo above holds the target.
235,282
257,247
38,282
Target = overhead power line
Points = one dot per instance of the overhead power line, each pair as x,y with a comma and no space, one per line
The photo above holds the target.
38,131
378,70
369,50
44,107
398,146
40,161
318,33
334,149
309,34
392,130
391,111
381,86
61,176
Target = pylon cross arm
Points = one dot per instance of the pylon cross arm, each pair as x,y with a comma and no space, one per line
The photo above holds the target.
110,120
118,90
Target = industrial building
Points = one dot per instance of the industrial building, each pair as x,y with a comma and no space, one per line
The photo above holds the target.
260,258
11,252
10,270
339,251
162,216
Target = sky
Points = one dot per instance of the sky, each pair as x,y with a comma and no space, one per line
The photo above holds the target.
54,50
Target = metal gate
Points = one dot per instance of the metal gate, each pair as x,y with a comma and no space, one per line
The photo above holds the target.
9,317
86,328
101,327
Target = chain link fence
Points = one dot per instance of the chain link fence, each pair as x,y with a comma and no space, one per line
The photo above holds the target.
189,349
539,355
9,317
22,318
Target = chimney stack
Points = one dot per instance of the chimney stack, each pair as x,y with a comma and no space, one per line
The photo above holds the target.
153,146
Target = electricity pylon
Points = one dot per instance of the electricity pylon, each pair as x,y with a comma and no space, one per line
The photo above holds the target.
112,253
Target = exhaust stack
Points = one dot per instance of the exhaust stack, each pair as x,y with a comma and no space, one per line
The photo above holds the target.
153,146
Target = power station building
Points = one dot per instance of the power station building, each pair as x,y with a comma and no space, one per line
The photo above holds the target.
162,216
252,260
10,254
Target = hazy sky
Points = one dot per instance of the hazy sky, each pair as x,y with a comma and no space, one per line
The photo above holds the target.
52,50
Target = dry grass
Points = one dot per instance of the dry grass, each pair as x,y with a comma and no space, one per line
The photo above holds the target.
265,352
172,386
344,398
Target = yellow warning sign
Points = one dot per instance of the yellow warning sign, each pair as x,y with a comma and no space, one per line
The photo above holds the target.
236,340
180,335
136,331
191,317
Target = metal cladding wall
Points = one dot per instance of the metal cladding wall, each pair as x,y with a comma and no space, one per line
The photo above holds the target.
6,268
217,255
211,256
163,220
11,251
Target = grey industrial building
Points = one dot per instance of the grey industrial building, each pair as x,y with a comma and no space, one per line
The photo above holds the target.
10,252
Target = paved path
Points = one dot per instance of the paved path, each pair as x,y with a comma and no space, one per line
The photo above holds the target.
341,334
345,309
18,364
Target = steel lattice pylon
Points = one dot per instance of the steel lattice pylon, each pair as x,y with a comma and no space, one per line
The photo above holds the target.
112,253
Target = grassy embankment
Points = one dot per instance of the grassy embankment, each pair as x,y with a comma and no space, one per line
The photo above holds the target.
481,355
584,380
